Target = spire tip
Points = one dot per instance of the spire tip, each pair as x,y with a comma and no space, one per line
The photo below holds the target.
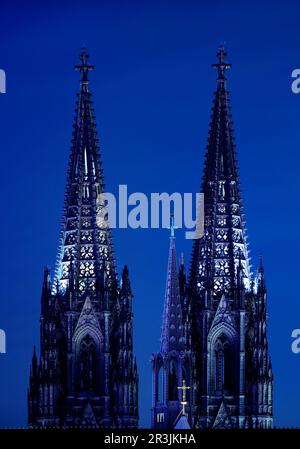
172,227
222,65
84,67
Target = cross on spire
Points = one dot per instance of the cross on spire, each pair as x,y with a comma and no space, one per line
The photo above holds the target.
183,402
84,67
221,65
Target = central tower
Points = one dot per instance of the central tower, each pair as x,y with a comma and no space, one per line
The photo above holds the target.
172,365
86,374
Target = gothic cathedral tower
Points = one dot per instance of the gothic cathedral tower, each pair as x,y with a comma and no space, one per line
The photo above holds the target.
172,366
217,320
233,378
86,374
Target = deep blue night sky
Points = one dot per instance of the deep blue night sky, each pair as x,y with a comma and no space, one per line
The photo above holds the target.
153,87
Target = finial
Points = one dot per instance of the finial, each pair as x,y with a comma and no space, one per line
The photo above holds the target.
222,65
172,227
84,67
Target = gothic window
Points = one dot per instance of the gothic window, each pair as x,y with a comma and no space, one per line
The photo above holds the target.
71,239
219,367
221,234
160,385
86,252
221,268
87,269
86,223
219,251
69,253
88,364
229,366
218,285
201,269
86,237
173,382
221,221
82,286
222,208
221,284
222,250
224,366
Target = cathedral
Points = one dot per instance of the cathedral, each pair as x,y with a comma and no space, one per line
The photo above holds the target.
214,346
213,368
86,374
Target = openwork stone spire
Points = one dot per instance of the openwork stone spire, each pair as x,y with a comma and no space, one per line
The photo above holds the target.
226,310
86,373
172,329
172,366
217,255
85,251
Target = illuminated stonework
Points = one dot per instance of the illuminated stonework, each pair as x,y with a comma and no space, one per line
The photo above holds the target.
226,307
222,352
86,374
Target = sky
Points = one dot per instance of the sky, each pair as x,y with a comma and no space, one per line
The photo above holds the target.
153,87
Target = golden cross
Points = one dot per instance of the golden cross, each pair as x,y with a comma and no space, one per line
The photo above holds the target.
184,401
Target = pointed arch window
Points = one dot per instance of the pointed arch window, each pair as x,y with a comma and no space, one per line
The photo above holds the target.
173,382
224,366
88,365
160,385
219,366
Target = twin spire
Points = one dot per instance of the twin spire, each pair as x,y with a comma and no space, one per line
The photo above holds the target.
85,253
222,252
